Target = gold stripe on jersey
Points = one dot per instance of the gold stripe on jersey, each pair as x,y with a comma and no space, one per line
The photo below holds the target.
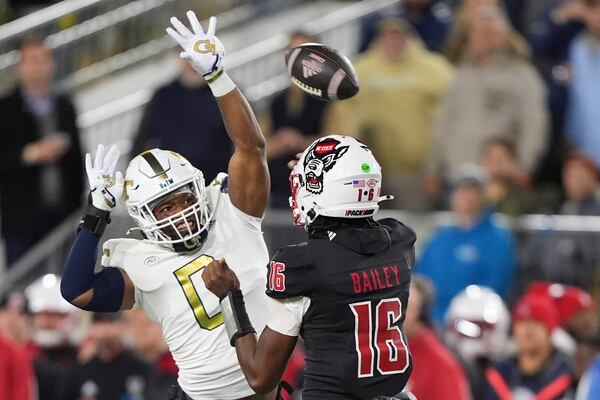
184,276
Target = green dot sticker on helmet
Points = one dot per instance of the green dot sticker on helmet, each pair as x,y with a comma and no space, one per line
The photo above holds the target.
366,167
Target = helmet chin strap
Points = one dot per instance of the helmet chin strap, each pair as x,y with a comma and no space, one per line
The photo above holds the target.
312,214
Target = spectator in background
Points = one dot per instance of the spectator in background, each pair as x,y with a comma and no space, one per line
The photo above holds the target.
113,373
583,118
563,256
550,37
538,370
508,189
147,340
40,158
474,250
466,14
401,87
431,20
589,385
52,335
476,327
577,319
16,381
495,94
184,117
295,120
427,351
15,319
582,183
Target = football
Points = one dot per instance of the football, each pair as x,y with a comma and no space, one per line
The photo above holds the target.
321,72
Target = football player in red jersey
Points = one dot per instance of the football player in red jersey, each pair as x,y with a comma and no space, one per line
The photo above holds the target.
345,290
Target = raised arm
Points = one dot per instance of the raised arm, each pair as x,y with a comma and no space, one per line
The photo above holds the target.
249,182
110,289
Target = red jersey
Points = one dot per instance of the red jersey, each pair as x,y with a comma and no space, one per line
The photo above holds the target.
15,372
436,373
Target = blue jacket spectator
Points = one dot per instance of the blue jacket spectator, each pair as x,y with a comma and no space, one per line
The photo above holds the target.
583,118
589,386
474,251
431,19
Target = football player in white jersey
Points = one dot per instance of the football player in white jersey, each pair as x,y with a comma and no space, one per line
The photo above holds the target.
186,224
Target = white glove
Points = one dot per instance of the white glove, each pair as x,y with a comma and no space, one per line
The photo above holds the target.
105,189
204,51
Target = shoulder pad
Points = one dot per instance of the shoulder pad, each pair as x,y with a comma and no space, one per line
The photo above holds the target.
399,232
145,264
290,272
114,252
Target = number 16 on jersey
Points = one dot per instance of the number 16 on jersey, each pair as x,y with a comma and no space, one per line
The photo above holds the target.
378,338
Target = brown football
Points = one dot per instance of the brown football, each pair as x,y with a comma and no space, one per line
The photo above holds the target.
321,72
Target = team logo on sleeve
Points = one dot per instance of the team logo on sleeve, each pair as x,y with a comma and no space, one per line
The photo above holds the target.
321,157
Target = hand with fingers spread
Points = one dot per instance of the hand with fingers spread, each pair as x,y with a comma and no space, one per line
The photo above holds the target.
219,278
106,188
204,51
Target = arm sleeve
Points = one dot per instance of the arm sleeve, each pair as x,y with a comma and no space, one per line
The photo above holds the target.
79,277
285,316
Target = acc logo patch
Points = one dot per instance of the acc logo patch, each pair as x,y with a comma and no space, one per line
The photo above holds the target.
150,261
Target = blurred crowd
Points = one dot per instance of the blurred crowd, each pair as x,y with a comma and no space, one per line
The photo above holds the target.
476,107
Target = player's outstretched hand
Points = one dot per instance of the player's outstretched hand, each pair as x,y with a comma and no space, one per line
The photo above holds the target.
106,186
204,51
219,278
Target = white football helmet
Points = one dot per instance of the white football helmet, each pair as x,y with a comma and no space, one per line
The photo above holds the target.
44,296
150,178
336,176
477,323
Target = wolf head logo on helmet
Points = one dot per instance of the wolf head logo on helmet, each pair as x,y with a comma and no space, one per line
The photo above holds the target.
153,177
322,156
330,179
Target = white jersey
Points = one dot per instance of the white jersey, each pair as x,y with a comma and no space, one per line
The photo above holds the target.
169,287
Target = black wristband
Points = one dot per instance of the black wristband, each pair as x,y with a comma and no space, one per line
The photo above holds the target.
94,220
237,322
